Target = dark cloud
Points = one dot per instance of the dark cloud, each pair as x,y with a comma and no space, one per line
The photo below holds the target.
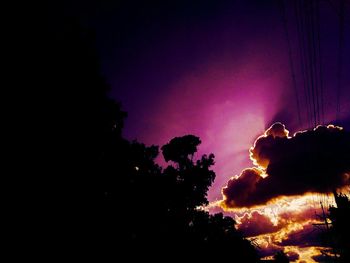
322,258
257,224
239,192
309,236
316,161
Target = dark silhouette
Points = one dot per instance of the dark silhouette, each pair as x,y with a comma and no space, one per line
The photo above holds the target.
340,231
168,204
180,149
281,257
192,179
115,197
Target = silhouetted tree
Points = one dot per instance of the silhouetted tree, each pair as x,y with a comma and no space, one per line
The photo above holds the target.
340,230
120,198
190,182
181,149
281,257
192,179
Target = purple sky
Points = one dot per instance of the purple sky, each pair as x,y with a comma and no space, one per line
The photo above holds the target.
216,70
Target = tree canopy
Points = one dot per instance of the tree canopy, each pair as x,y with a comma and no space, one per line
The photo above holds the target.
125,199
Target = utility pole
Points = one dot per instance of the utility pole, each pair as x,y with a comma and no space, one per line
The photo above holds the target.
325,222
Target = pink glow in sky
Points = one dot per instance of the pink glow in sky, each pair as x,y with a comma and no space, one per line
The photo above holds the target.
227,106
225,79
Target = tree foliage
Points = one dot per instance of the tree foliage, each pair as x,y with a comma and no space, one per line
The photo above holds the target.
180,149
127,201
281,257
340,231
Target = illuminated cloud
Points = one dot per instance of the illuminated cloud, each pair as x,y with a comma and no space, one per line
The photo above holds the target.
240,191
264,144
256,224
285,224
308,236
276,201
313,161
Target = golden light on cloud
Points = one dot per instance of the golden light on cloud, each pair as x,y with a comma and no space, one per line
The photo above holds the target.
309,161
306,253
279,201
293,215
330,127
276,130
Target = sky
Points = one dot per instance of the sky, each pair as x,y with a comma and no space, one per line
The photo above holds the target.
221,70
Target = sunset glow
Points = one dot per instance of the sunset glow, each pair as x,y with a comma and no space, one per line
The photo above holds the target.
292,223
223,124
285,218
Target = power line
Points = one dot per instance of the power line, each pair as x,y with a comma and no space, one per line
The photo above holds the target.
314,60
310,64
305,63
291,64
320,60
301,40
340,52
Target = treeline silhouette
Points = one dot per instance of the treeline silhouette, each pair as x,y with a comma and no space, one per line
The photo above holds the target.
114,197
109,194
334,235
339,216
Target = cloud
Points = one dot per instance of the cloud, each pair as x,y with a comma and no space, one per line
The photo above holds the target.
285,225
322,258
256,224
300,215
308,236
293,230
240,191
313,161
